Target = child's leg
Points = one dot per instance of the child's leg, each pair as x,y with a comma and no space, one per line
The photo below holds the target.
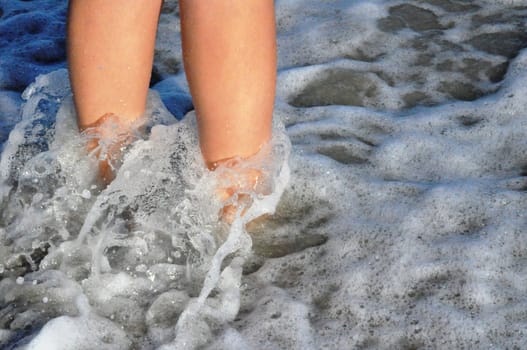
110,54
229,50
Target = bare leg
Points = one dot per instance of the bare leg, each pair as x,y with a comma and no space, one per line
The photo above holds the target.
110,54
229,50
230,59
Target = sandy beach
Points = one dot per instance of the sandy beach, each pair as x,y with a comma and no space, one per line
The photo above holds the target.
396,215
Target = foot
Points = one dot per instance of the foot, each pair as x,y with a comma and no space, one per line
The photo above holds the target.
238,182
108,137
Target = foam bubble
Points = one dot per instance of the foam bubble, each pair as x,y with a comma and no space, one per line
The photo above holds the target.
401,226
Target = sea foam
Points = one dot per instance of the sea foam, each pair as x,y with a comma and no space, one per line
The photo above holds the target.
402,225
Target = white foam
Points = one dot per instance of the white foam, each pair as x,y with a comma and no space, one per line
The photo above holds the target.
400,224
82,332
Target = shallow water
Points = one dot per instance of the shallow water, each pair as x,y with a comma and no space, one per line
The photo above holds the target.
402,225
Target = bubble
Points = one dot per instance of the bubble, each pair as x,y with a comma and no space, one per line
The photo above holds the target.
401,225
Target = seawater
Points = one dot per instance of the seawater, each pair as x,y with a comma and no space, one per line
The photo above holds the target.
401,224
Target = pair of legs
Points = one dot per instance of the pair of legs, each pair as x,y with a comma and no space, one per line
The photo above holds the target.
229,52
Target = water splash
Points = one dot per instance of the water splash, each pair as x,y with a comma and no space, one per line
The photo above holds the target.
152,232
